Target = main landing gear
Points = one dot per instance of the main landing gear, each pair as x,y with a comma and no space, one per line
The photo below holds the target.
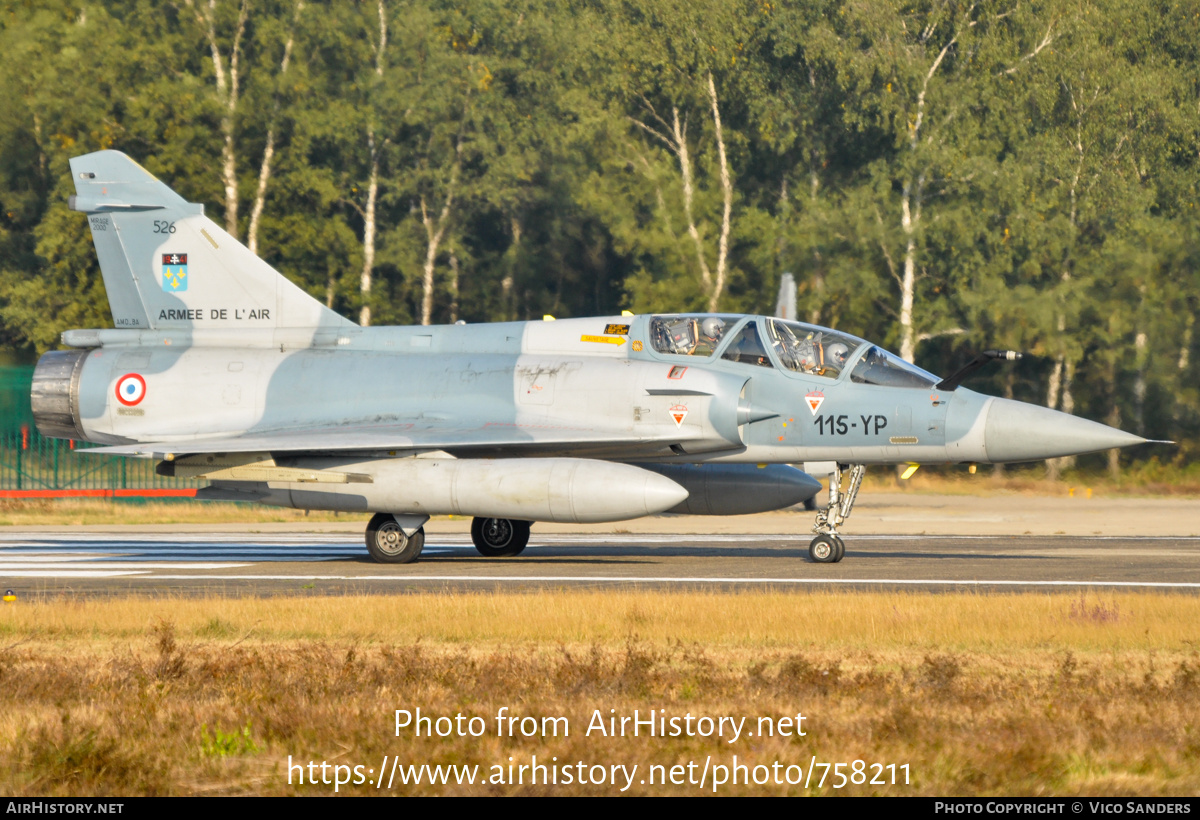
388,542
499,537
827,547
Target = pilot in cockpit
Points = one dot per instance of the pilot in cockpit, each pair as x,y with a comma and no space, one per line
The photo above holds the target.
814,356
711,331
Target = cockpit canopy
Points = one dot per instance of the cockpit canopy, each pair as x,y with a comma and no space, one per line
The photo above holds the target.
816,351
877,366
805,349
690,335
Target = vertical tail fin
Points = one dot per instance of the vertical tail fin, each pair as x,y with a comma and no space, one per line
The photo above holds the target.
166,265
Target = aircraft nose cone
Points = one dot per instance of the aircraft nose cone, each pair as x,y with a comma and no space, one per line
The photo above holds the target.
1016,431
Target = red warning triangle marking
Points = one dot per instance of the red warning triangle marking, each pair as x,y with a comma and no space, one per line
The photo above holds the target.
679,413
814,400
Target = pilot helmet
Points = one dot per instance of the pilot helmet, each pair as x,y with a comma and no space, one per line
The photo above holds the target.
836,354
712,327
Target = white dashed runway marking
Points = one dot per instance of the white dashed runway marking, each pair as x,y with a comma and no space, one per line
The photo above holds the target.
620,558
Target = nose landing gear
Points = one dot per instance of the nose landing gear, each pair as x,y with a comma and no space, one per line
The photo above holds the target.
827,547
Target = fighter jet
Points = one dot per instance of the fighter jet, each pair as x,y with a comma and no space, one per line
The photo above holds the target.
222,369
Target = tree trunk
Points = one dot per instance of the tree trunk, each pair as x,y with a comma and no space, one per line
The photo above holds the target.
1114,455
365,278
436,230
1139,384
1055,384
453,288
1181,364
910,215
364,285
674,136
1114,420
679,133
506,284
260,195
227,88
818,277
433,237
1064,366
1185,346
1056,466
434,233
781,226
727,200
1068,404
228,151
264,171
229,169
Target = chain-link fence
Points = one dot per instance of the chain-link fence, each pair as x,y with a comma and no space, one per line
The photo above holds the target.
15,382
48,466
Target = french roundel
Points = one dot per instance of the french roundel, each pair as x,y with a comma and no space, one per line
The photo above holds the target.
131,389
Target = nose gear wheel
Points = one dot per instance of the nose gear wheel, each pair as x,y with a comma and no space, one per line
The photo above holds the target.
823,549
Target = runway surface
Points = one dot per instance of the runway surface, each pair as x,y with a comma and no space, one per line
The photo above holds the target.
256,563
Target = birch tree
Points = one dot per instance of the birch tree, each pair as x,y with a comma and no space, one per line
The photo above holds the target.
678,113
227,61
915,71
436,220
1110,120
48,272
674,135
268,154
431,110
373,156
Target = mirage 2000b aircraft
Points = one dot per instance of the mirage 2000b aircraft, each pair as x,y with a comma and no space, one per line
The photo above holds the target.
222,369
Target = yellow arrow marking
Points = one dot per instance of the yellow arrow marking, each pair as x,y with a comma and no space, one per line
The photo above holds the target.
608,340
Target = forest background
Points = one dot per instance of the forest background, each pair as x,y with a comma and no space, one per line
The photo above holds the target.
940,177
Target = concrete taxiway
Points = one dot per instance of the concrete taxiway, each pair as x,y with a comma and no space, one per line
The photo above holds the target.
257,563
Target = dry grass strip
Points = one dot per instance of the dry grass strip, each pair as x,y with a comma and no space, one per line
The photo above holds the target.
979,694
